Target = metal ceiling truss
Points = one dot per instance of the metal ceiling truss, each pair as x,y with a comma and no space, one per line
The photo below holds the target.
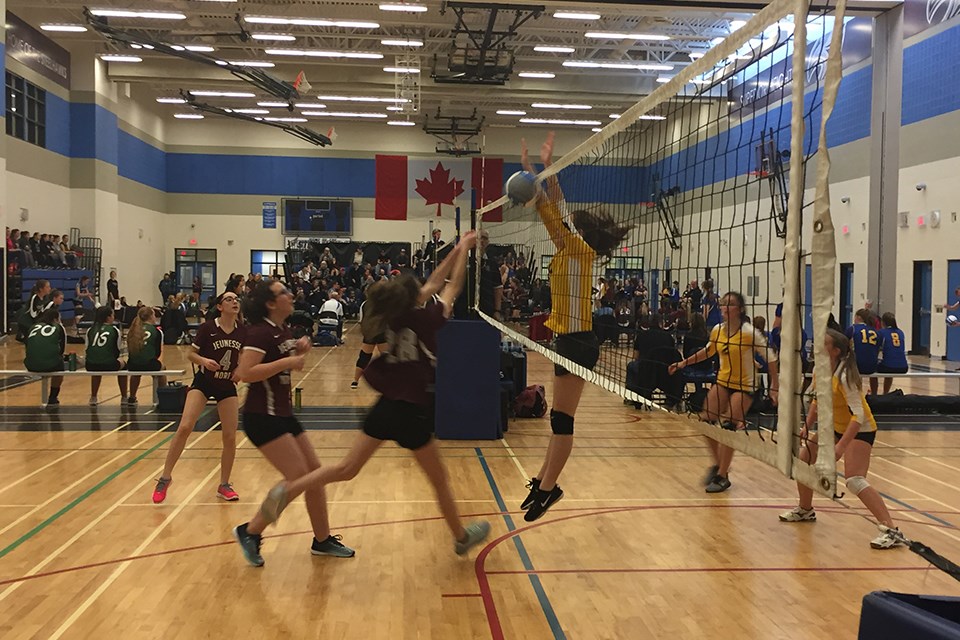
456,132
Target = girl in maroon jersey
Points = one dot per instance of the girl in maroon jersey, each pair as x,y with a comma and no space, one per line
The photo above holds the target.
269,355
216,352
397,309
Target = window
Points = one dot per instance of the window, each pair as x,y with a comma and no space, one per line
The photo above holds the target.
266,262
26,111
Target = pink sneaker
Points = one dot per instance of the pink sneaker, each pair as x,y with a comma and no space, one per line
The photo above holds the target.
160,492
226,492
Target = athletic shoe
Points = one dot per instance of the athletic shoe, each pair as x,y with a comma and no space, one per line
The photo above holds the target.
249,545
93,401
132,401
719,484
331,547
477,532
727,425
534,486
226,492
354,385
160,491
53,402
799,514
710,475
543,501
274,504
889,539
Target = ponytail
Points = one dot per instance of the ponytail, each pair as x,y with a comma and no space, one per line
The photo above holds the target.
135,334
100,318
38,286
848,359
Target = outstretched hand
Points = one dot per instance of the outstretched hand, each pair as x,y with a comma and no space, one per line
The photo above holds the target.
468,240
546,150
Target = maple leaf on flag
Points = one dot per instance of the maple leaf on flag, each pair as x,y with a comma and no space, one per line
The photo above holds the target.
440,189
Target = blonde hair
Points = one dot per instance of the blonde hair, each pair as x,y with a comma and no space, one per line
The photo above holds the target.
135,333
848,359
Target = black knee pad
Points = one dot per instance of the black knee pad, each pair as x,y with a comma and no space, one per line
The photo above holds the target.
364,359
561,423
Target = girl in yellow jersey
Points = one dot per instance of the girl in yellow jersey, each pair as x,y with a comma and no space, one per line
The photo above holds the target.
738,343
854,430
571,318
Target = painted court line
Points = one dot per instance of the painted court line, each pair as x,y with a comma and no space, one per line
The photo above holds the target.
516,462
521,572
61,459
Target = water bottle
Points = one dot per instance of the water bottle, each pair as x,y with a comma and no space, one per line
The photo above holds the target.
296,398
72,362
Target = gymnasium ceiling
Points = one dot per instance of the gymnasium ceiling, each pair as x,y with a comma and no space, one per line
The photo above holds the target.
683,28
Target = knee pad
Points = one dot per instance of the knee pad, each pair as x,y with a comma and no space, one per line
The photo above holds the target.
856,484
364,359
561,423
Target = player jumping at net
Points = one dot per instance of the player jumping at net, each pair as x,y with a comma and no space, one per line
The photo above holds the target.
398,309
729,400
216,351
596,234
270,353
854,430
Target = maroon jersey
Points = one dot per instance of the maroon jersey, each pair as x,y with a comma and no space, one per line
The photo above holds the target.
408,364
216,344
270,396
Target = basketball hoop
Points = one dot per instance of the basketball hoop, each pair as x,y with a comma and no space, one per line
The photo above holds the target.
301,85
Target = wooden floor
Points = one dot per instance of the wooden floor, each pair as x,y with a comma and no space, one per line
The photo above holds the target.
635,550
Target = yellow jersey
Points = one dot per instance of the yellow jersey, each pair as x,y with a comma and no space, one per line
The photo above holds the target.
571,275
738,370
849,403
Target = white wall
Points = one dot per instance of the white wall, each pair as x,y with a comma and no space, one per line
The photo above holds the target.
48,205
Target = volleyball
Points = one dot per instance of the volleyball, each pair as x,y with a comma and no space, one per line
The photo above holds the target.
521,187
952,319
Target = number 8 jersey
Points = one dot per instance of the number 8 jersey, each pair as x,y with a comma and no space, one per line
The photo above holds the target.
216,344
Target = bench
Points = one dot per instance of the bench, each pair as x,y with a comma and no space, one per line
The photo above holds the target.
45,377
913,375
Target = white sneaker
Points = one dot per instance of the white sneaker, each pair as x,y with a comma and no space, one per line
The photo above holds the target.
93,401
889,539
799,514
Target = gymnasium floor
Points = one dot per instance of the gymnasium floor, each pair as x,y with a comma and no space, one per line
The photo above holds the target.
635,549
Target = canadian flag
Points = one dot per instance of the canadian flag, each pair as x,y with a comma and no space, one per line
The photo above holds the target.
432,187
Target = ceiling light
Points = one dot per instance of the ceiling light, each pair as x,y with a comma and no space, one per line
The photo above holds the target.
171,101
537,74
115,57
284,119
614,116
67,28
664,79
596,129
279,37
310,105
223,94
399,42
402,6
695,55
401,123
717,40
361,99
591,123
575,15
188,116
401,70
548,49
343,114
510,112
273,105
314,53
122,13
638,66
256,112
605,35
394,107
312,22
736,24
552,105
251,63
199,48
647,116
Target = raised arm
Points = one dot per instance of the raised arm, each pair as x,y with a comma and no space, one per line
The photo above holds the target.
550,196
459,269
439,276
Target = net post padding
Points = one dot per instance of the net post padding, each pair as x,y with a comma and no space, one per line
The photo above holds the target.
823,270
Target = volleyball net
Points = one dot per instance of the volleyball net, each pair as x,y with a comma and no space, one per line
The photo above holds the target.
721,174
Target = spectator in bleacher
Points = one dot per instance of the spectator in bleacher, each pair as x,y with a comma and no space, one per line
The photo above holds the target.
31,311
45,346
711,305
358,256
328,257
893,350
103,352
113,290
193,309
144,344
403,260
14,252
430,251
35,249
331,315
23,241
67,255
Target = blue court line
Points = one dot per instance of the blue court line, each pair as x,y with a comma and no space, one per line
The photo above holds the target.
910,507
548,611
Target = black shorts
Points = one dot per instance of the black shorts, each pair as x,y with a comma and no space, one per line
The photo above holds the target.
407,424
153,365
380,338
882,368
116,365
263,429
216,390
582,347
864,436
52,369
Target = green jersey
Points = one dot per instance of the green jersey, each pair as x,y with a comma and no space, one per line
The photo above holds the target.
45,345
103,344
152,341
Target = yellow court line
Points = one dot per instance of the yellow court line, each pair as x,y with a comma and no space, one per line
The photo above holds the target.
80,480
73,539
516,461
123,566
62,458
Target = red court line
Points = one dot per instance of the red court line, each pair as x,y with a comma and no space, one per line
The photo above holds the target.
708,570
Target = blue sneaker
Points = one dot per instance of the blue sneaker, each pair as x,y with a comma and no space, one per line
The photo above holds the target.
249,545
477,532
331,547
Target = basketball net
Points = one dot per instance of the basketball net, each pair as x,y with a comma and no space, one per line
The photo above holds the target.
301,85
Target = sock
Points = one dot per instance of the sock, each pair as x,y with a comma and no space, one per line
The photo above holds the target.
54,393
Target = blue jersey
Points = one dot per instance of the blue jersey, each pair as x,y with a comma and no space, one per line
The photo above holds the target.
866,345
804,339
713,316
894,348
